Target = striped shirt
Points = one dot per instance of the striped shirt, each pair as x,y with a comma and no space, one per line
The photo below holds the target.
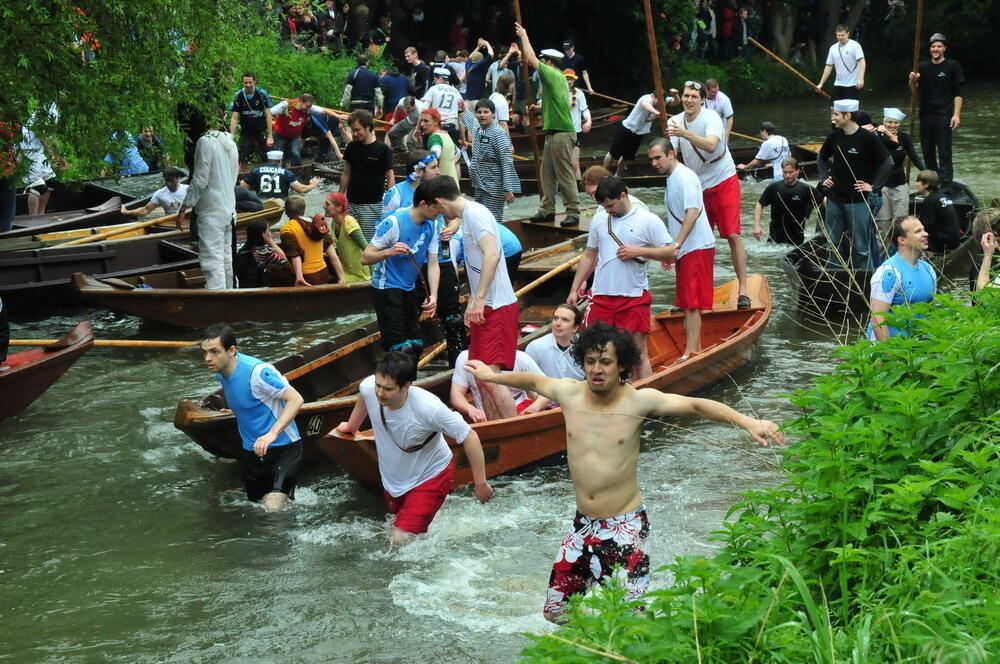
493,161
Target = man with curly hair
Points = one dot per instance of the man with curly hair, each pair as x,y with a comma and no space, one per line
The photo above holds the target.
604,417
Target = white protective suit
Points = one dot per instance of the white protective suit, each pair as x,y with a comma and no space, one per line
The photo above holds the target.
211,195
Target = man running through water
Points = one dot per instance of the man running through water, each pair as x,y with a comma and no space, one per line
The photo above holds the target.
604,417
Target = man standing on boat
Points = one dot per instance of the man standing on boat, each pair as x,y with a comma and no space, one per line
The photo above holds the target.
848,58
367,172
604,417
791,201
903,279
403,242
493,310
560,135
264,405
251,107
628,136
212,196
414,461
772,151
896,192
616,254
699,137
852,163
718,101
694,247
940,84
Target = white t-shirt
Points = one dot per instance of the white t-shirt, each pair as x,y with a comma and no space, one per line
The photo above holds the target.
445,98
577,111
774,150
683,193
422,414
477,223
522,362
503,108
638,228
845,60
722,105
170,201
31,147
640,120
554,361
710,171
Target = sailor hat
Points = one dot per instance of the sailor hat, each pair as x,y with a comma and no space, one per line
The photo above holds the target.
275,155
846,105
552,53
442,71
893,114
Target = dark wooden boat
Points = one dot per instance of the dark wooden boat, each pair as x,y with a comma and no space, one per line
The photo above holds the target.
29,277
179,297
27,375
327,375
729,339
826,286
28,225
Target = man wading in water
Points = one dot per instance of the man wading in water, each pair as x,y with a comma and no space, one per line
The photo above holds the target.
604,416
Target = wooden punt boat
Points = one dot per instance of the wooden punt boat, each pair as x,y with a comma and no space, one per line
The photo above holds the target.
179,298
27,375
729,339
327,375
825,285
28,225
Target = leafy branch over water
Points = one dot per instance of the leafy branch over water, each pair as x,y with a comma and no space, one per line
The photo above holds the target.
882,544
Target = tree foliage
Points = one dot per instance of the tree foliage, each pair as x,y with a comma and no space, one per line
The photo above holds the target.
152,56
882,544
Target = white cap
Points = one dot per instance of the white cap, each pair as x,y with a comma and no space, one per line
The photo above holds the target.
442,71
275,155
846,105
552,53
893,114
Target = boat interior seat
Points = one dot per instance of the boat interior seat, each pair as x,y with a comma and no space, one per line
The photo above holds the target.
191,281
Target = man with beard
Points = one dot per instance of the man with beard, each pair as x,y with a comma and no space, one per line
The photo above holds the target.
604,417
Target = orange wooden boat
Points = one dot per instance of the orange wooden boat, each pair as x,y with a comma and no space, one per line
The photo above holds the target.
728,335
27,375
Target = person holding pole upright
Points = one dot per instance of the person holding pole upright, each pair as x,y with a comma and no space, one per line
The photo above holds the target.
560,136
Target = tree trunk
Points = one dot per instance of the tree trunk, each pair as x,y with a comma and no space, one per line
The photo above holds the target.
782,29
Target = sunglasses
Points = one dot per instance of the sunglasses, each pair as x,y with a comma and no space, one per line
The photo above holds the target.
692,84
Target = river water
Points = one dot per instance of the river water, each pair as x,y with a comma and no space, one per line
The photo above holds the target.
122,541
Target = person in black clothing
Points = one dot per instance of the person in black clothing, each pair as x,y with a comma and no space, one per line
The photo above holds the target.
272,180
362,91
852,164
573,60
151,149
367,172
331,24
938,214
940,84
791,201
896,192
251,107
422,76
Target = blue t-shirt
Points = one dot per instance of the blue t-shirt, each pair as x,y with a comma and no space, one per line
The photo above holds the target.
253,392
401,272
399,196
896,282
271,181
395,88
509,244
363,82
130,162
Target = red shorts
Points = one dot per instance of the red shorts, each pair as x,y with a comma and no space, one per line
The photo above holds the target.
627,313
722,205
495,340
416,508
523,406
696,280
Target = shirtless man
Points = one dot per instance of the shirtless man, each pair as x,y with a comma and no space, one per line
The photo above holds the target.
604,416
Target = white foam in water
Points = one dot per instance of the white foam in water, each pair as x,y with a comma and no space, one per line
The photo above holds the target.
352,529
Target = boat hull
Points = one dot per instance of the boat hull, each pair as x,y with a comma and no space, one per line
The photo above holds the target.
33,372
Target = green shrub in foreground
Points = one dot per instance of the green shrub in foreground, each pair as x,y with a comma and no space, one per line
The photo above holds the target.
882,545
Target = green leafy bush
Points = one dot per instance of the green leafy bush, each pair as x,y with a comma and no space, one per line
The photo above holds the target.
882,544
